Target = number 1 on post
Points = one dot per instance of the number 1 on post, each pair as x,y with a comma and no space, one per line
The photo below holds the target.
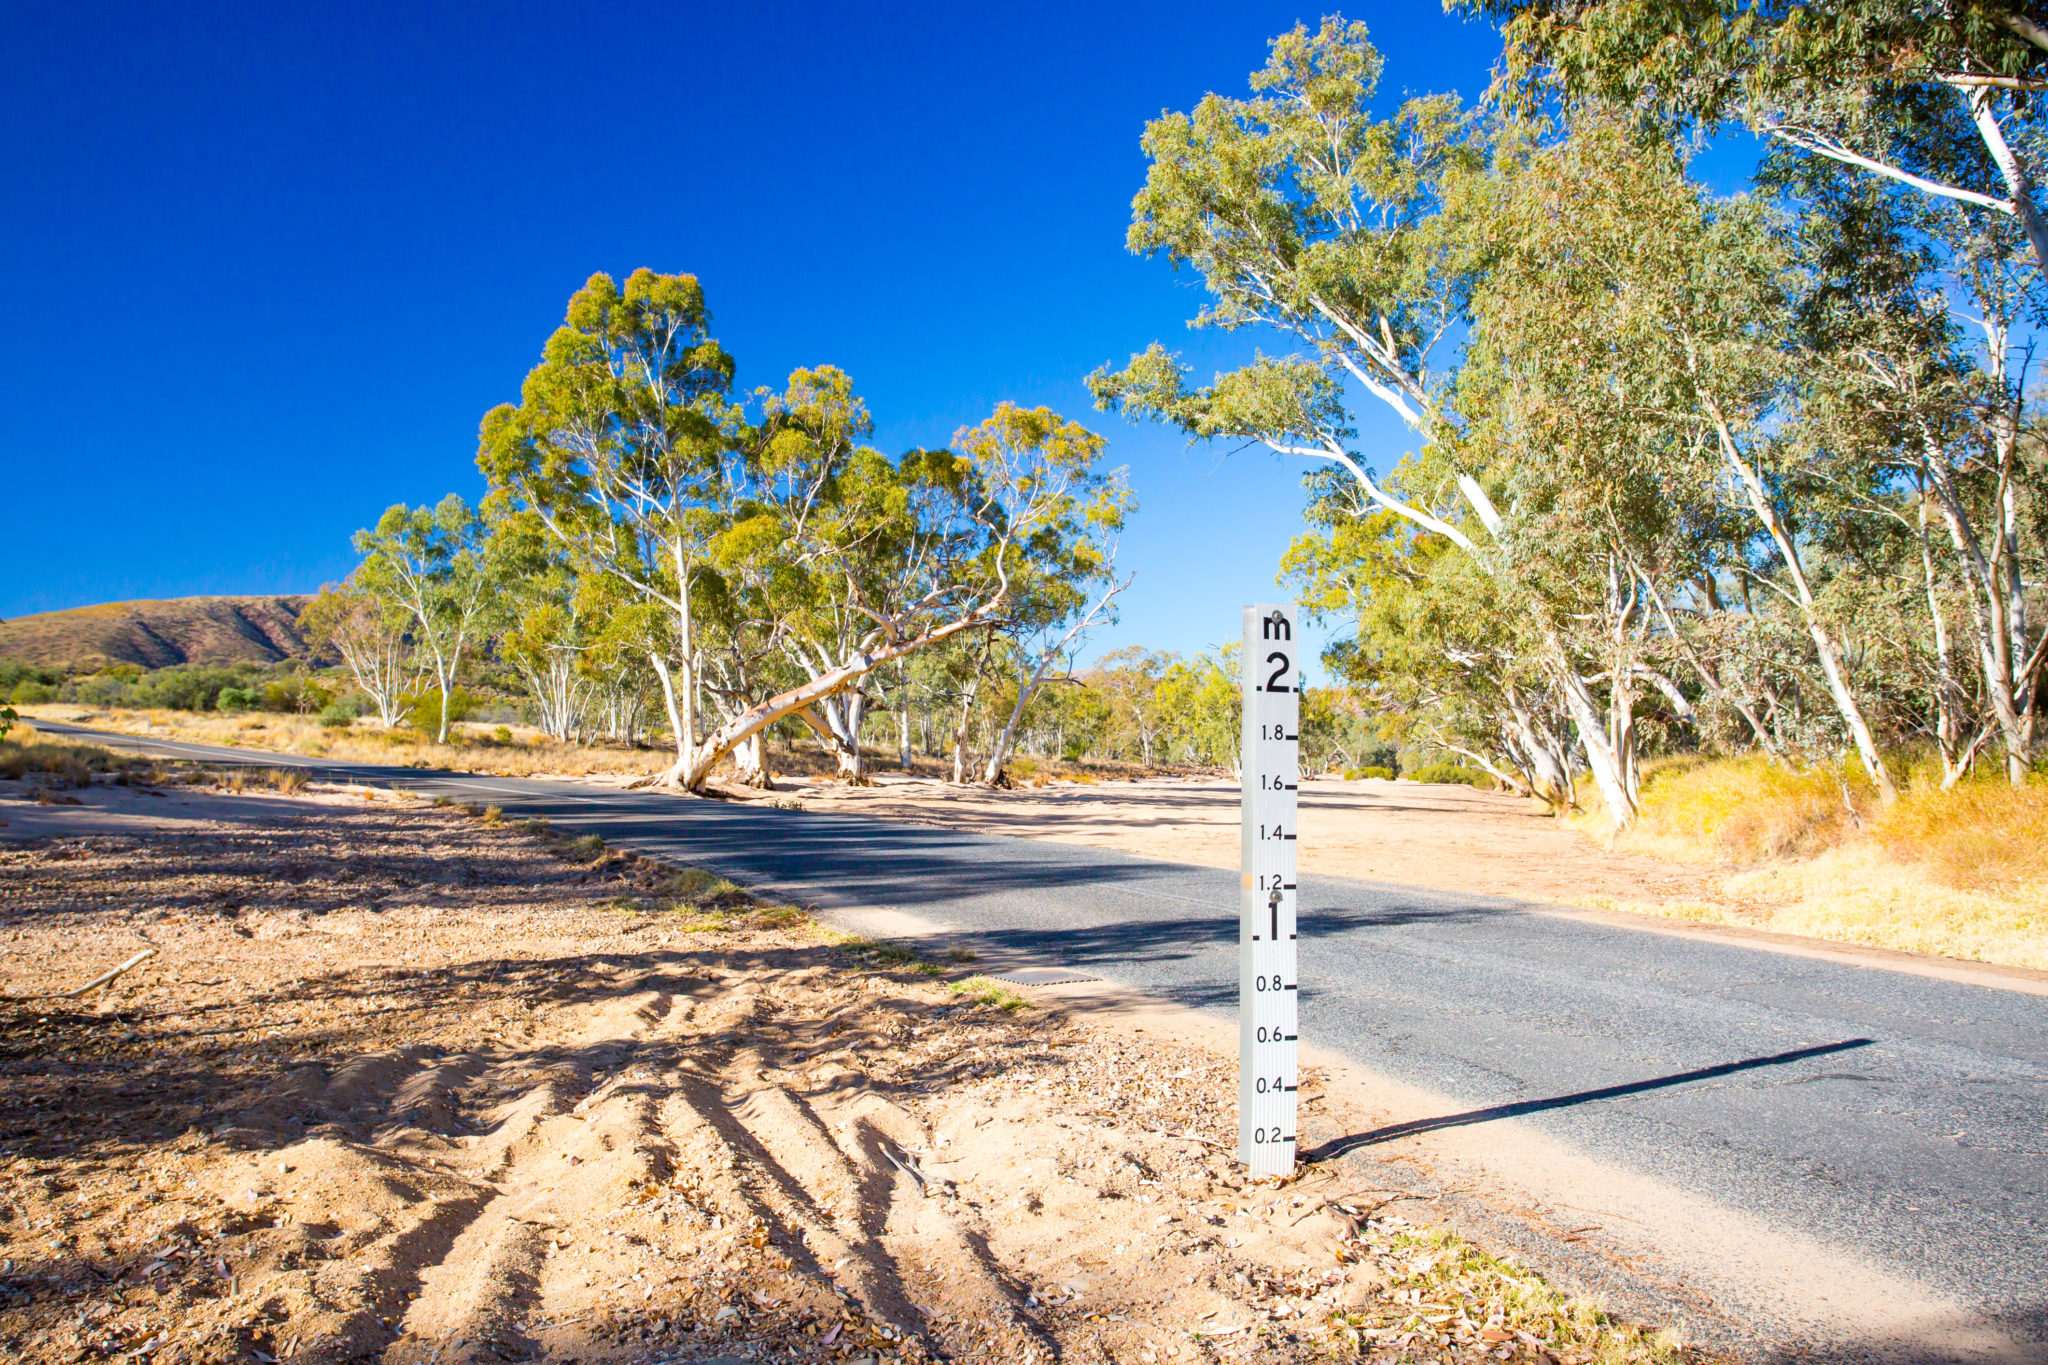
1271,778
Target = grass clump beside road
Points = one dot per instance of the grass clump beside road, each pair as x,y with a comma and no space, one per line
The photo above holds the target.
1812,851
1445,1294
66,764
985,990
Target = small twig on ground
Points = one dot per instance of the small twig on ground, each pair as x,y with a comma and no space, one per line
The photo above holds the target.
909,1170
104,977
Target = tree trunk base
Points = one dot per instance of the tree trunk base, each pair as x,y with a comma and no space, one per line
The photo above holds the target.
675,777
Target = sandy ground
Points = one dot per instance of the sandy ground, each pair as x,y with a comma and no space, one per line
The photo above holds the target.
405,1086
1446,837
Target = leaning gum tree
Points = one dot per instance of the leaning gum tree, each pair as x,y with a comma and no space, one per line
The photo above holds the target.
628,448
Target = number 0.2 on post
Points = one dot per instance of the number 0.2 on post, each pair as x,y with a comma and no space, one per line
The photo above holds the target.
1266,932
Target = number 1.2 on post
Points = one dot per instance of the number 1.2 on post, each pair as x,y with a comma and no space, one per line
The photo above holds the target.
1265,932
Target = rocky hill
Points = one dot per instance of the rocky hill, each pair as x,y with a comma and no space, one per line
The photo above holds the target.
183,630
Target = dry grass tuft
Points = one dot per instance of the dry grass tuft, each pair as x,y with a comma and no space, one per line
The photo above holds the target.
1750,810
1960,873
1983,835
70,765
983,990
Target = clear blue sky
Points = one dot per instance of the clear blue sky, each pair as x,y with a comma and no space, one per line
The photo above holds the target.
267,267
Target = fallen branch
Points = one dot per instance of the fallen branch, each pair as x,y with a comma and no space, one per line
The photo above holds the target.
104,977
910,1170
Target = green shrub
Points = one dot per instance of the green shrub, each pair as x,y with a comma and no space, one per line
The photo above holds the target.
13,673
100,689
981,990
296,695
184,688
1355,774
337,716
32,693
1451,772
238,699
426,709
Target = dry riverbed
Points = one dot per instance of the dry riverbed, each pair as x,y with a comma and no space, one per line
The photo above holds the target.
413,1085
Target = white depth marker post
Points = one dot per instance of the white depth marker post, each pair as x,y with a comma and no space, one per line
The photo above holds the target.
1266,982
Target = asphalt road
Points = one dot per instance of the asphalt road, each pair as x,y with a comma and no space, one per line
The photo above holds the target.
1901,1116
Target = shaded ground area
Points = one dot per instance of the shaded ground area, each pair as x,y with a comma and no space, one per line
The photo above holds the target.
408,1086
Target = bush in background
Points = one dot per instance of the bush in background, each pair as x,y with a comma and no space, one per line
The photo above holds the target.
1374,770
426,709
14,673
1452,773
238,699
296,694
337,715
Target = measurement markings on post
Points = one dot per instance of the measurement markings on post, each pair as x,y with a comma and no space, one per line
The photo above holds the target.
1266,922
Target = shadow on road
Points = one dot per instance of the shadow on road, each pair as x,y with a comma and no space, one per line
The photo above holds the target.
1337,1147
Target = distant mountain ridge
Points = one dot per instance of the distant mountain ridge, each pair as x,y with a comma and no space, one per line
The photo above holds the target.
181,630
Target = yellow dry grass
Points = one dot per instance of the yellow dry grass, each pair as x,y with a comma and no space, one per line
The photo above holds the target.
528,755
1960,873
1747,809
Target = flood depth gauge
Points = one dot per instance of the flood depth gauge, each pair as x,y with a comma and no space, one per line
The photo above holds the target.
1266,990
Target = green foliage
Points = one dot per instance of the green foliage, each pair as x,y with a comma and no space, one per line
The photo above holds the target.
9,717
337,716
1202,701
1448,773
983,990
187,687
32,693
13,673
424,710
296,694
238,699
1359,774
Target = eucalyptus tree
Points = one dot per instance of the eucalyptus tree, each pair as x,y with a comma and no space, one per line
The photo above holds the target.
1069,557
431,564
1439,646
1663,327
1202,699
1940,98
1306,214
370,636
621,446
543,633
848,550
1914,136
1128,680
1920,319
